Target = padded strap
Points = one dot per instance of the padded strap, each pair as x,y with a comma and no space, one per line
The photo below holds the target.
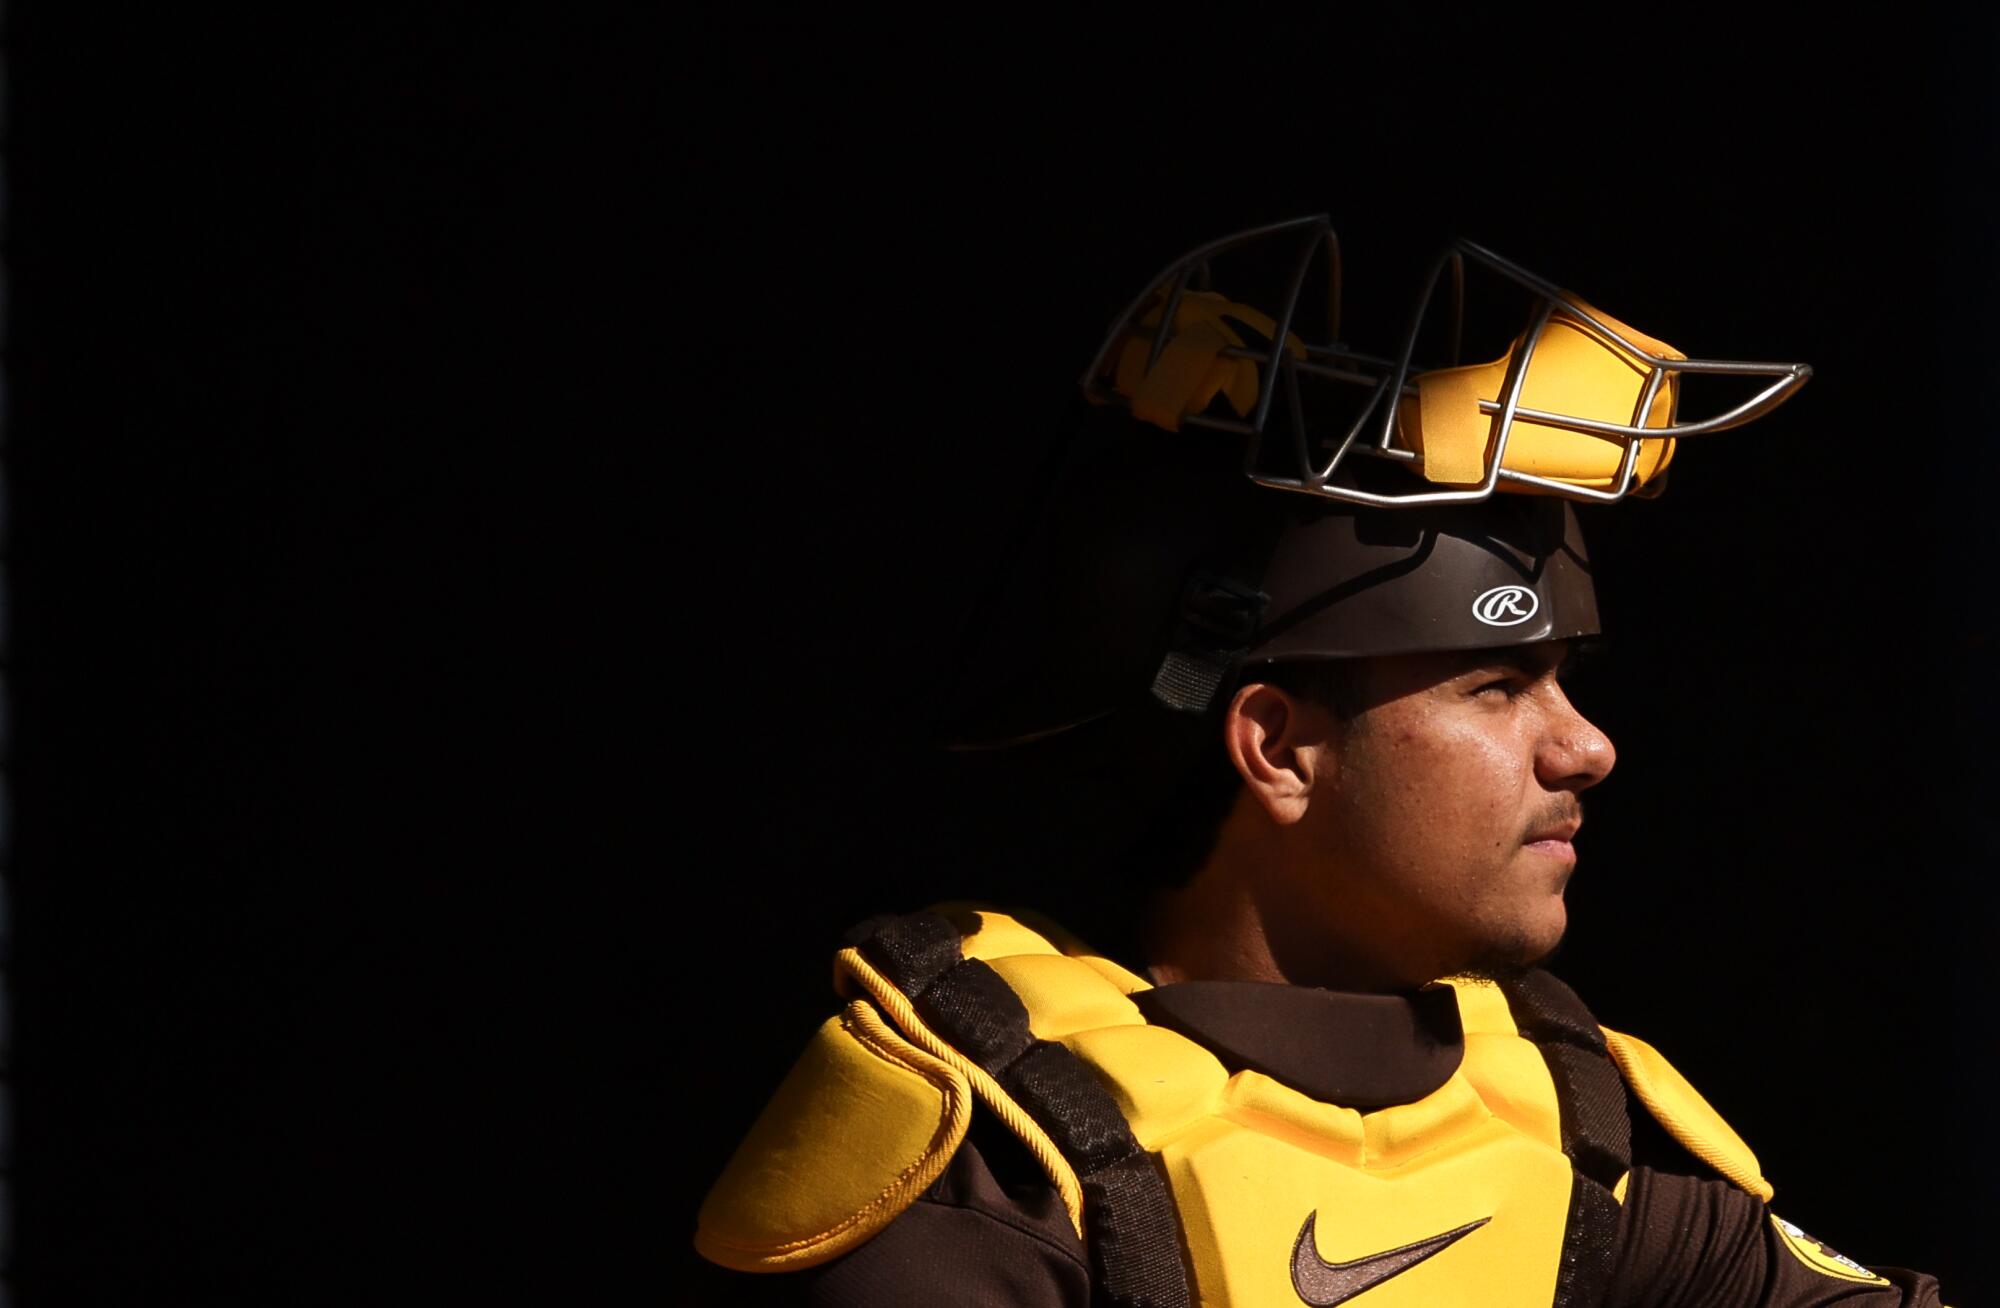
1131,1227
1596,1132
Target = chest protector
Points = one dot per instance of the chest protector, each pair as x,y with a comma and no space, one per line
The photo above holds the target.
1188,1183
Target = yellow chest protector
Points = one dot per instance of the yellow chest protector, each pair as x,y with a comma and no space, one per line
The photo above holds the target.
1189,1183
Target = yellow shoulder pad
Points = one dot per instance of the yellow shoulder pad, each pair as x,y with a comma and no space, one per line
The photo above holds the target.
863,1123
1685,1114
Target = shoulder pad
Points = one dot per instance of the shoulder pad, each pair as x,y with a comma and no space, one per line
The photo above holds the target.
862,1125
1680,1108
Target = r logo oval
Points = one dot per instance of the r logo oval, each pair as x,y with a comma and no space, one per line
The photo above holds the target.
1506,606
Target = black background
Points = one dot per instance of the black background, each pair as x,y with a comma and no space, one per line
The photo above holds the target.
489,486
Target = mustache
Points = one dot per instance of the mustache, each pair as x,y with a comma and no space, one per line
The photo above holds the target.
1560,811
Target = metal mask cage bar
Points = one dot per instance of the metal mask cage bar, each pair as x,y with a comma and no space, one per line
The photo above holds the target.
1384,377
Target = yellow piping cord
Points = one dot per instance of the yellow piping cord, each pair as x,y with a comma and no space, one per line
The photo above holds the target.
897,1004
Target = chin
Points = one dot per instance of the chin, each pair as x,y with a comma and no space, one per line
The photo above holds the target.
1506,960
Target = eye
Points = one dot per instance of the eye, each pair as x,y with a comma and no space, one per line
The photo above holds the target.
1503,688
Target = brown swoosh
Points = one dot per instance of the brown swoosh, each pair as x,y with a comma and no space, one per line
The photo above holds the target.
1323,1284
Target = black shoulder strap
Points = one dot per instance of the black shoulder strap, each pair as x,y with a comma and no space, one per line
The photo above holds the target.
1131,1228
1596,1130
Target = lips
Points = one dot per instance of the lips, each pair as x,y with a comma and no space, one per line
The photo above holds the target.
1559,849
1554,839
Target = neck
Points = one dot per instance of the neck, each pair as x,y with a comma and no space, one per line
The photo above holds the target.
1245,916
1212,929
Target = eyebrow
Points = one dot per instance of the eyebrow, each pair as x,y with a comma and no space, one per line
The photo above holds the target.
1531,659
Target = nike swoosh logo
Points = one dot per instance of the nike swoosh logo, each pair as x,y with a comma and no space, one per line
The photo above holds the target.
1323,1284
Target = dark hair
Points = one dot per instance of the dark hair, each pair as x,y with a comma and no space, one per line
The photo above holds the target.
1184,828
1333,684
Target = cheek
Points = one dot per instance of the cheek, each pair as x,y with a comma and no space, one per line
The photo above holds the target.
1417,845
1467,783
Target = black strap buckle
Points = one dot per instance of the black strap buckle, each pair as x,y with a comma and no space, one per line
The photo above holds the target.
1214,625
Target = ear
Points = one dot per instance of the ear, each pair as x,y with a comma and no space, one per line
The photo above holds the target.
1282,747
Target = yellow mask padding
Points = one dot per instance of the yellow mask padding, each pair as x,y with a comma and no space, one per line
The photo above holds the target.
862,1125
1686,1115
1191,371
1572,372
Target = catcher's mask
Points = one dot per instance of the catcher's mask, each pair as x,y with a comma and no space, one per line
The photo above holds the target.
1158,563
1578,404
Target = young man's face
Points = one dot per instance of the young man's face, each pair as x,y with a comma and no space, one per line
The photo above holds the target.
1446,817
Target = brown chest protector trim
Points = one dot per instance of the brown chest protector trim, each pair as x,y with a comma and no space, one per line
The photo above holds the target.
1596,1131
1135,1246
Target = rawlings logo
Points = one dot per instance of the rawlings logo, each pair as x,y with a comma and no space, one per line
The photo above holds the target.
1506,606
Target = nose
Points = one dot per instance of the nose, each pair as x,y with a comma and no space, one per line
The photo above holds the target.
1574,754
